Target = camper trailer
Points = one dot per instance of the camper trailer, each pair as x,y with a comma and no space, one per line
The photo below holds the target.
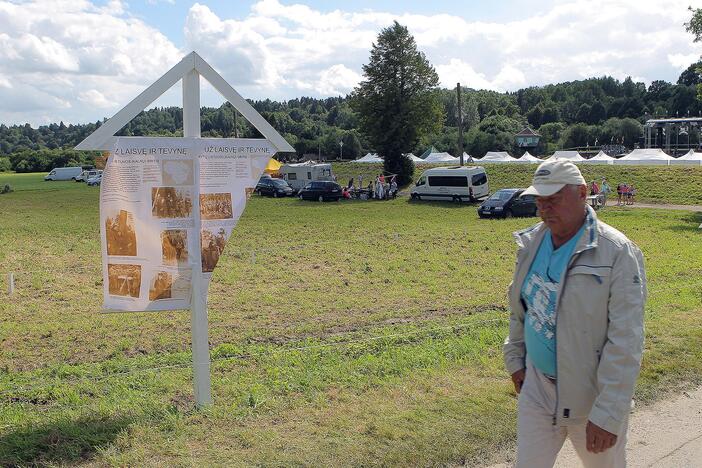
452,183
300,174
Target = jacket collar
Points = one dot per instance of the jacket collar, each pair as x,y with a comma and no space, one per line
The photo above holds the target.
588,240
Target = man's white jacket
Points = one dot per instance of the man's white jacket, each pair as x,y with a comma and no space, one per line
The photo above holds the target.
599,324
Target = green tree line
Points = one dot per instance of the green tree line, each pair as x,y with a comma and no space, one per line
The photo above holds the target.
567,115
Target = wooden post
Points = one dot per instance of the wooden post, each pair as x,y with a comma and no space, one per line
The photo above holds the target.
10,284
460,122
198,308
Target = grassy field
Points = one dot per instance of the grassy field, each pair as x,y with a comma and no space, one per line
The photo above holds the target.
674,184
351,333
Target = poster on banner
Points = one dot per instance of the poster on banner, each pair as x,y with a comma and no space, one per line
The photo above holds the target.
167,210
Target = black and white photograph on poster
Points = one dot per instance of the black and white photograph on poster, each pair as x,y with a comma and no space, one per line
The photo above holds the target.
212,247
177,172
120,233
160,287
174,246
174,285
171,202
216,205
124,279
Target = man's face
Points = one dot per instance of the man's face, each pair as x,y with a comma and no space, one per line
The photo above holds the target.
563,210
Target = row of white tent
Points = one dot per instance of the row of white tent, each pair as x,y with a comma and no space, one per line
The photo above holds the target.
647,156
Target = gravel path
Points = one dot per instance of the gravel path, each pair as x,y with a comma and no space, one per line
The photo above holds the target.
662,206
665,434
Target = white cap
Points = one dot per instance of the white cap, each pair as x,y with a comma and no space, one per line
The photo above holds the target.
551,176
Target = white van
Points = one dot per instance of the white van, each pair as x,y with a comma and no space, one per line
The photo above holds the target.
300,174
452,183
64,173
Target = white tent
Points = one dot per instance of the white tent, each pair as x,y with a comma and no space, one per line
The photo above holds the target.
645,156
690,158
528,158
414,159
567,155
497,156
440,158
600,158
369,158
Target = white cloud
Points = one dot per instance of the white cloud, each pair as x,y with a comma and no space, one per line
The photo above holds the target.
95,98
682,61
573,40
337,80
74,61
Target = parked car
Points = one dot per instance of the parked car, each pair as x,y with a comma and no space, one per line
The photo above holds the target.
95,180
273,187
88,174
506,203
64,173
321,190
452,183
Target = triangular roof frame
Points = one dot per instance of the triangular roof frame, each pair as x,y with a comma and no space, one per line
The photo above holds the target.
526,131
103,137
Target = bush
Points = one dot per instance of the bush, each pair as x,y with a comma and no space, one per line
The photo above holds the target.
6,189
5,165
44,160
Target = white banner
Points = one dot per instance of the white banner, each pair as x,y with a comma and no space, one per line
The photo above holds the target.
157,197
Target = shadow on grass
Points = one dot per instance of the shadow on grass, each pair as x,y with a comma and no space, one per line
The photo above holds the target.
444,204
689,223
60,442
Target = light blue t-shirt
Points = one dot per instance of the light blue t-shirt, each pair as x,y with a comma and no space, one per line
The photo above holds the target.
539,293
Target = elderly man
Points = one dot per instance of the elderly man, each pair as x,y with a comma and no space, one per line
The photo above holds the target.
576,326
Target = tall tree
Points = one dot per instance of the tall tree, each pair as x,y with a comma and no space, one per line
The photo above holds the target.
397,102
695,27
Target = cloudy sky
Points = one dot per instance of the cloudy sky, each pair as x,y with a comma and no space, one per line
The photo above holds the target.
79,61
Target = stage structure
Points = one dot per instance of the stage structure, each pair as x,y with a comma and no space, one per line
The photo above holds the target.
672,135
122,242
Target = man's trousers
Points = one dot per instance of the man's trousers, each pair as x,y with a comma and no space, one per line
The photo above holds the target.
539,441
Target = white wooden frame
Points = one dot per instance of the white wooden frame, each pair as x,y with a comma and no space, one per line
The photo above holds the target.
188,70
103,138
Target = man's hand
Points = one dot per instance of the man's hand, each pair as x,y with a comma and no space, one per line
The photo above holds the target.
518,379
598,440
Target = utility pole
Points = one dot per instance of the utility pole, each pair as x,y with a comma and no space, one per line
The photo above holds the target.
460,122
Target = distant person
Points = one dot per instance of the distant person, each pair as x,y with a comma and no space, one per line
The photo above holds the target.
620,193
627,194
574,346
594,188
393,187
345,193
379,189
632,194
605,190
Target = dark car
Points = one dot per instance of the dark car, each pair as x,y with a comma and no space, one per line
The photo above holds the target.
273,187
321,190
506,203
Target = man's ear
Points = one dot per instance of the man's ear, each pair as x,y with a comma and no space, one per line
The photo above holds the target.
583,191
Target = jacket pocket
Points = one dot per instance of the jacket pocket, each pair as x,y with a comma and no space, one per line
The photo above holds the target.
585,296
600,274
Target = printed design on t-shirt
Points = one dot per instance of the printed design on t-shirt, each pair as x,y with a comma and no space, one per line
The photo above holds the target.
540,297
